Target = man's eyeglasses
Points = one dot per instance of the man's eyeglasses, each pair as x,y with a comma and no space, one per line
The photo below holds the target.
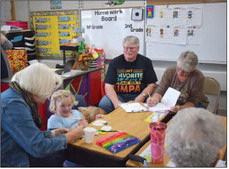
129,48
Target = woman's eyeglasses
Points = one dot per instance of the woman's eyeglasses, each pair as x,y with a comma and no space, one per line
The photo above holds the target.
182,71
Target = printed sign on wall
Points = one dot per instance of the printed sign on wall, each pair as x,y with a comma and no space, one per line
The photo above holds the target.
106,29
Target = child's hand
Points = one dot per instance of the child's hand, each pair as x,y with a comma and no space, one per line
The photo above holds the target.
98,116
83,122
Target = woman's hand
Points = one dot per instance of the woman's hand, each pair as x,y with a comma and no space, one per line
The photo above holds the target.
175,108
74,133
57,132
152,101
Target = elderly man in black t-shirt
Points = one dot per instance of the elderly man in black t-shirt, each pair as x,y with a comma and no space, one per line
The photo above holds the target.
130,76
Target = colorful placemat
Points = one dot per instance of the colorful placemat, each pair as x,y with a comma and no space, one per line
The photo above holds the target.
117,142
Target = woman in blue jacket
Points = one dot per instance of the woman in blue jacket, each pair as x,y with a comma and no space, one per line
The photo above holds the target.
22,142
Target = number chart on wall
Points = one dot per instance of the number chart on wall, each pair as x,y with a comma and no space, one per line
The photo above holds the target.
54,28
197,27
106,29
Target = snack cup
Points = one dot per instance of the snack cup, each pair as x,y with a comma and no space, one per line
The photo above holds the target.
89,133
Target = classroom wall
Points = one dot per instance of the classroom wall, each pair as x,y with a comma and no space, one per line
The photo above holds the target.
217,71
22,8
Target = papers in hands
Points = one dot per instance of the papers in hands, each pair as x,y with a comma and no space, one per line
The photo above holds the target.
133,107
168,100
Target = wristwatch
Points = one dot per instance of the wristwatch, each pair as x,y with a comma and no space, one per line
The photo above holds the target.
144,95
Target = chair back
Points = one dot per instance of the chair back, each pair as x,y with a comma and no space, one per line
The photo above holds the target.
212,91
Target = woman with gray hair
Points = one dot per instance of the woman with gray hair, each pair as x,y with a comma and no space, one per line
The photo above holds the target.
185,78
23,144
194,138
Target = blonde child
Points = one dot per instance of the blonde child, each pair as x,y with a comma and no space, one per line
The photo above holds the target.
64,116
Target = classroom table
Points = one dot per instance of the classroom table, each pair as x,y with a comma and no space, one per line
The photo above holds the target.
93,155
131,163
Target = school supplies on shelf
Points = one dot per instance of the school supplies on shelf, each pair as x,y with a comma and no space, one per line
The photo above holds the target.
117,142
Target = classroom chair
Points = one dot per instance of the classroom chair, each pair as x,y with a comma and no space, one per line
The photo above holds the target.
212,91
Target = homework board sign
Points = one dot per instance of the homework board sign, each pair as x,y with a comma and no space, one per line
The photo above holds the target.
106,29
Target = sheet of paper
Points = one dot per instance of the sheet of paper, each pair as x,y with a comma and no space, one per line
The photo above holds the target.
170,97
147,154
159,107
133,107
168,100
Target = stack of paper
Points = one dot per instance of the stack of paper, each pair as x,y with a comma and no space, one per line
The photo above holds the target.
133,107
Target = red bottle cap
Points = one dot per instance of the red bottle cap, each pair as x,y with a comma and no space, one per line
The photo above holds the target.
158,125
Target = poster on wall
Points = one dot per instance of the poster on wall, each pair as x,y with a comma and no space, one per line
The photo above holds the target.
55,4
196,27
54,28
106,29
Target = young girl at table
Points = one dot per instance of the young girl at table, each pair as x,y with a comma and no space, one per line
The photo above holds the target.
64,116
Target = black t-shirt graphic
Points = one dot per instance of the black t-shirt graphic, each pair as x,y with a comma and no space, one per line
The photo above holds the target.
130,77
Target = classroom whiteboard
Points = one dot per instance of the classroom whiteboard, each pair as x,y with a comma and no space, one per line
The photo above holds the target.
106,29
212,47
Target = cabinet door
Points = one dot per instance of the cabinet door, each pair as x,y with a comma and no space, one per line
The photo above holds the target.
78,85
94,87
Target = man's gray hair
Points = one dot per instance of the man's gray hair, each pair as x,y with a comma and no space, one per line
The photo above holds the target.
133,40
194,138
187,61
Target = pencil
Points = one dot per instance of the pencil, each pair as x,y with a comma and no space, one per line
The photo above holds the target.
149,96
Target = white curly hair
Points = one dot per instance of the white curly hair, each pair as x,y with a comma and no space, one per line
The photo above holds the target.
194,138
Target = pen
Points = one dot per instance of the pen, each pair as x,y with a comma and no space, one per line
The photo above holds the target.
107,131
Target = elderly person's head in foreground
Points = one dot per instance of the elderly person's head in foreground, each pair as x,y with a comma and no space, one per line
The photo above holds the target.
194,138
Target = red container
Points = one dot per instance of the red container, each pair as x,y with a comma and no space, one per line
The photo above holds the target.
157,135
20,24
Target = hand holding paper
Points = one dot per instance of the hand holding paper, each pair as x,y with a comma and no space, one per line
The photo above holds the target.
168,100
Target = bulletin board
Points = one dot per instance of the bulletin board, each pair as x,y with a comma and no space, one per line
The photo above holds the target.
54,28
208,40
106,29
